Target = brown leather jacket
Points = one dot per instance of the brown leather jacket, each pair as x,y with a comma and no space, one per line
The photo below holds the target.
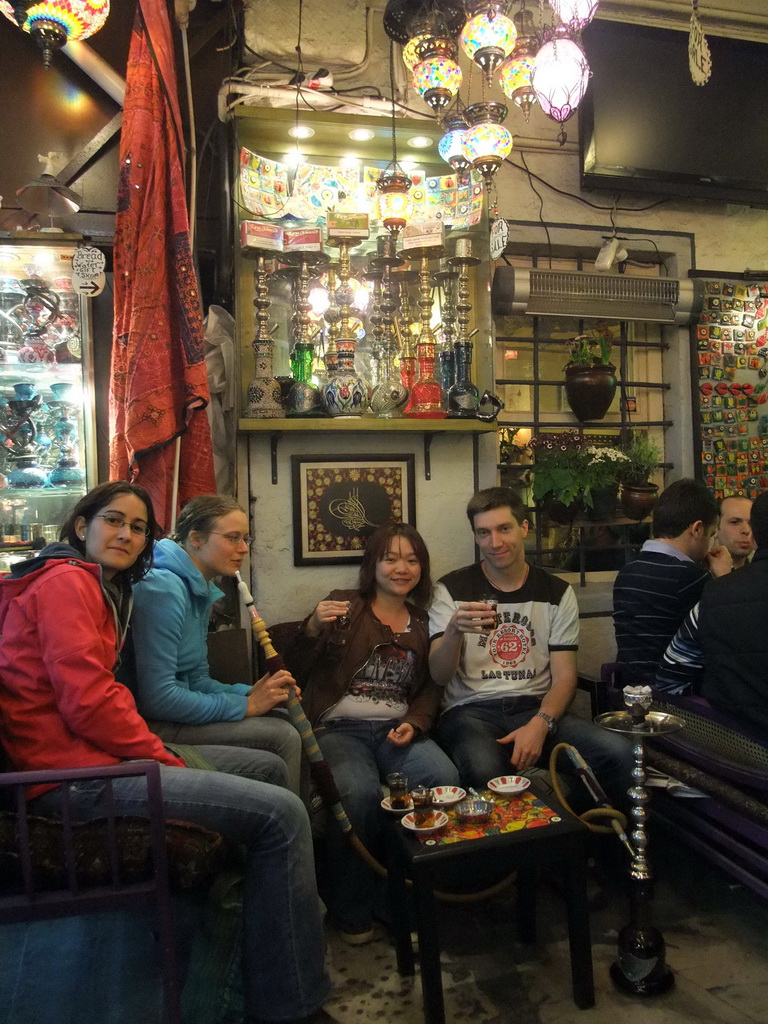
324,665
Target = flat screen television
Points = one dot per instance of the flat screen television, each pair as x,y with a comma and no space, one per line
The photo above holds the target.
645,127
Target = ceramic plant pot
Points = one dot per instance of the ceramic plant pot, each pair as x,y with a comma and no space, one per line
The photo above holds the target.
590,389
638,500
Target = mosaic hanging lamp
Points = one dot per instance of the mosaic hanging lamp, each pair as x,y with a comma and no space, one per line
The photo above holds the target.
450,146
561,75
395,203
437,76
489,35
52,23
515,74
486,142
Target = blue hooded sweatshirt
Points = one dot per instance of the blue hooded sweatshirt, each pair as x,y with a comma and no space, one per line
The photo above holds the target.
171,608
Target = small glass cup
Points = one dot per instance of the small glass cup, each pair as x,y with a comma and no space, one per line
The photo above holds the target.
342,621
493,602
423,809
398,790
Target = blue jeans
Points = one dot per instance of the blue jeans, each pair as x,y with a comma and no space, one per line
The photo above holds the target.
272,732
360,758
469,733
283,944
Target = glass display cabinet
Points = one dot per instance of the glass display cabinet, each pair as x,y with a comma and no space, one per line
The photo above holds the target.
47,426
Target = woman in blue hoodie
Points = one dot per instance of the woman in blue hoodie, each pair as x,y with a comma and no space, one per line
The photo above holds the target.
172,606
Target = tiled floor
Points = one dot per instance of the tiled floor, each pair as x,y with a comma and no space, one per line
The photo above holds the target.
717,944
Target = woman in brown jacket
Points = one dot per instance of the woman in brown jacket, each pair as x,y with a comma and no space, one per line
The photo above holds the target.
362,658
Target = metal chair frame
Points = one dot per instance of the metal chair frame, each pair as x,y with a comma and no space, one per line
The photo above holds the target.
73,899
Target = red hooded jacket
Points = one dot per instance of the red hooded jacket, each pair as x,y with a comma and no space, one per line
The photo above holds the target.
60,704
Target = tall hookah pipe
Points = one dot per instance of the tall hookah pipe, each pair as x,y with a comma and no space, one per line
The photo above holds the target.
321,771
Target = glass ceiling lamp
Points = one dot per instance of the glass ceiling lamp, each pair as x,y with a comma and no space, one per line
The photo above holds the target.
561,75
395,200
489,35
574,13
437,77
516,73
410,55
52,23
395,205
486,142
450,147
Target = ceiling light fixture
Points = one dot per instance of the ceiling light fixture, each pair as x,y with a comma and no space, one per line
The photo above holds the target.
52,23
419,142
361,134
560,77
301,131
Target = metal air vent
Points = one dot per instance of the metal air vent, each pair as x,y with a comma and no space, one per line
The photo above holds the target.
607,296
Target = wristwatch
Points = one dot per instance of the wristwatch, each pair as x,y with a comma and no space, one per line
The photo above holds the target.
551,722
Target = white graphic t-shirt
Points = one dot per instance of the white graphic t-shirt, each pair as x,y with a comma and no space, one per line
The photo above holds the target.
379,689
513,659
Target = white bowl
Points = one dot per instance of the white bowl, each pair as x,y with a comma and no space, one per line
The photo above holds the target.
507,785
441,820
446,796
385,803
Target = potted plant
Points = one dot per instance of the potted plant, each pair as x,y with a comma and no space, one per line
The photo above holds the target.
590,376
560,474
603,469
638,496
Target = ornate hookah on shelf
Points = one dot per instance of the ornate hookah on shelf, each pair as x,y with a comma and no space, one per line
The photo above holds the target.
640,967
346,393
304,398
264,400
463,396
390,395
67,472
21,437
445,279
426,393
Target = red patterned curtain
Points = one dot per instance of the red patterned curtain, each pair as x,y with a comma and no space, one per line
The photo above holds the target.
159,388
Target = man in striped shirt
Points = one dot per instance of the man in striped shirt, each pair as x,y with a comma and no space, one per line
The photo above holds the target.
720,649
653,593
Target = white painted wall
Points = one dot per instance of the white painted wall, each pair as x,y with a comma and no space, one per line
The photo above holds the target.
284,591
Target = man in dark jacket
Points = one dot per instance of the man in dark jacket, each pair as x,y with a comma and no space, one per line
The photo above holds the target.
722,645
653,592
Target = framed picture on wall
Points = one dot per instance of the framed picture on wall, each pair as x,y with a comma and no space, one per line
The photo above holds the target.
338,501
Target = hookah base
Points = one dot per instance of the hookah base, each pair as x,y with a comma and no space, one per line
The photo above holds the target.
661,980
427,414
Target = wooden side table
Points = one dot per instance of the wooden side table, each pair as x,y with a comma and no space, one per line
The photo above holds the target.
558,844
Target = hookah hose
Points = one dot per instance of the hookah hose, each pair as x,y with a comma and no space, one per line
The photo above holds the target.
319,767
618,821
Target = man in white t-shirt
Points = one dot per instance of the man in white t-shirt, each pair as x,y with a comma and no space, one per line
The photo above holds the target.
510,673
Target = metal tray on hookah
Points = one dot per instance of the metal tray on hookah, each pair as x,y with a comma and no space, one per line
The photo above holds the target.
654,723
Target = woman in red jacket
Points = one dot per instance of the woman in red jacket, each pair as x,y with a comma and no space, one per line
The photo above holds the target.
63,617
362,658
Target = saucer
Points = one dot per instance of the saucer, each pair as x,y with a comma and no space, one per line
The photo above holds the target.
507,785
396,810
441,819
446,796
